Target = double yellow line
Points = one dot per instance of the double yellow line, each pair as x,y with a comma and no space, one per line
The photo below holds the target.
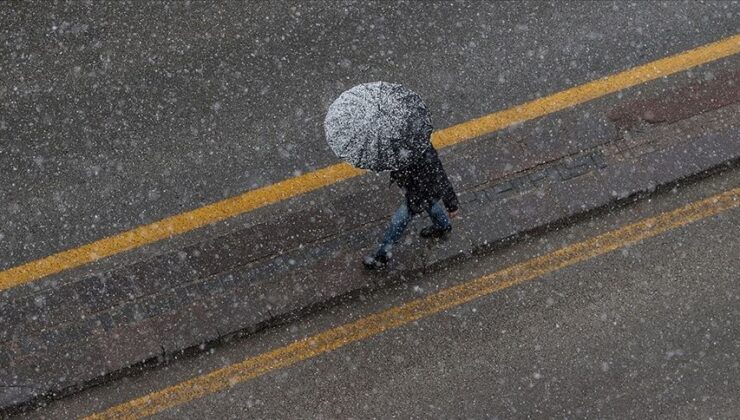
185,222
372,325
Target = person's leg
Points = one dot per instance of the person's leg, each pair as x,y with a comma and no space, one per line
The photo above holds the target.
399,222
439,216
440,222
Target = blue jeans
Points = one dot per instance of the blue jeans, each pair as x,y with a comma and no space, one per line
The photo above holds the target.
400,221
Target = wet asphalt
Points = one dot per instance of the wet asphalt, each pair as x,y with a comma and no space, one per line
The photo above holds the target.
647,331
115,114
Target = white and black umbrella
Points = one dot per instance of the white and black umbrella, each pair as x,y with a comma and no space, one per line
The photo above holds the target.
378,126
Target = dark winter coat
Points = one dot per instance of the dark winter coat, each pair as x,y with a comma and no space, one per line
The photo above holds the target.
425,182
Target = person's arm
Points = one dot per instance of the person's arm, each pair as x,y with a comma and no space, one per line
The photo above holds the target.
449,197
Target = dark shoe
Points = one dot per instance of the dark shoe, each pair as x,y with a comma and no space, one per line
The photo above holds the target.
375,263
434,231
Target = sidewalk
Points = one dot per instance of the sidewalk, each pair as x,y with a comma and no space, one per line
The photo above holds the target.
306,254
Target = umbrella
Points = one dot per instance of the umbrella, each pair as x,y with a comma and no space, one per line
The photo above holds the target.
378,126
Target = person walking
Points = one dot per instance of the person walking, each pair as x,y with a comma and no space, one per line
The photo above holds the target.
382,126
425,184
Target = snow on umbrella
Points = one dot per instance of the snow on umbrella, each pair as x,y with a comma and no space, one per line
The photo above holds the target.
378,126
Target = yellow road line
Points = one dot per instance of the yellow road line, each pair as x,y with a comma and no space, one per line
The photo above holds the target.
335,338
187,221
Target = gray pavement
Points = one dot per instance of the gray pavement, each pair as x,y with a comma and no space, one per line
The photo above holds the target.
120,114
647,331
115,114
66,336
67,331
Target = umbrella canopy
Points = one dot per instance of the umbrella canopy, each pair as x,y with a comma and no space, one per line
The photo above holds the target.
378,126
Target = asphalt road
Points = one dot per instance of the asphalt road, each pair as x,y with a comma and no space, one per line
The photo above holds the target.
115,114
646,331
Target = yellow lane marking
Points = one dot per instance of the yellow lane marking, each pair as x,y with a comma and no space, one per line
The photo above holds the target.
586,92
335,338
187,221
175,225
